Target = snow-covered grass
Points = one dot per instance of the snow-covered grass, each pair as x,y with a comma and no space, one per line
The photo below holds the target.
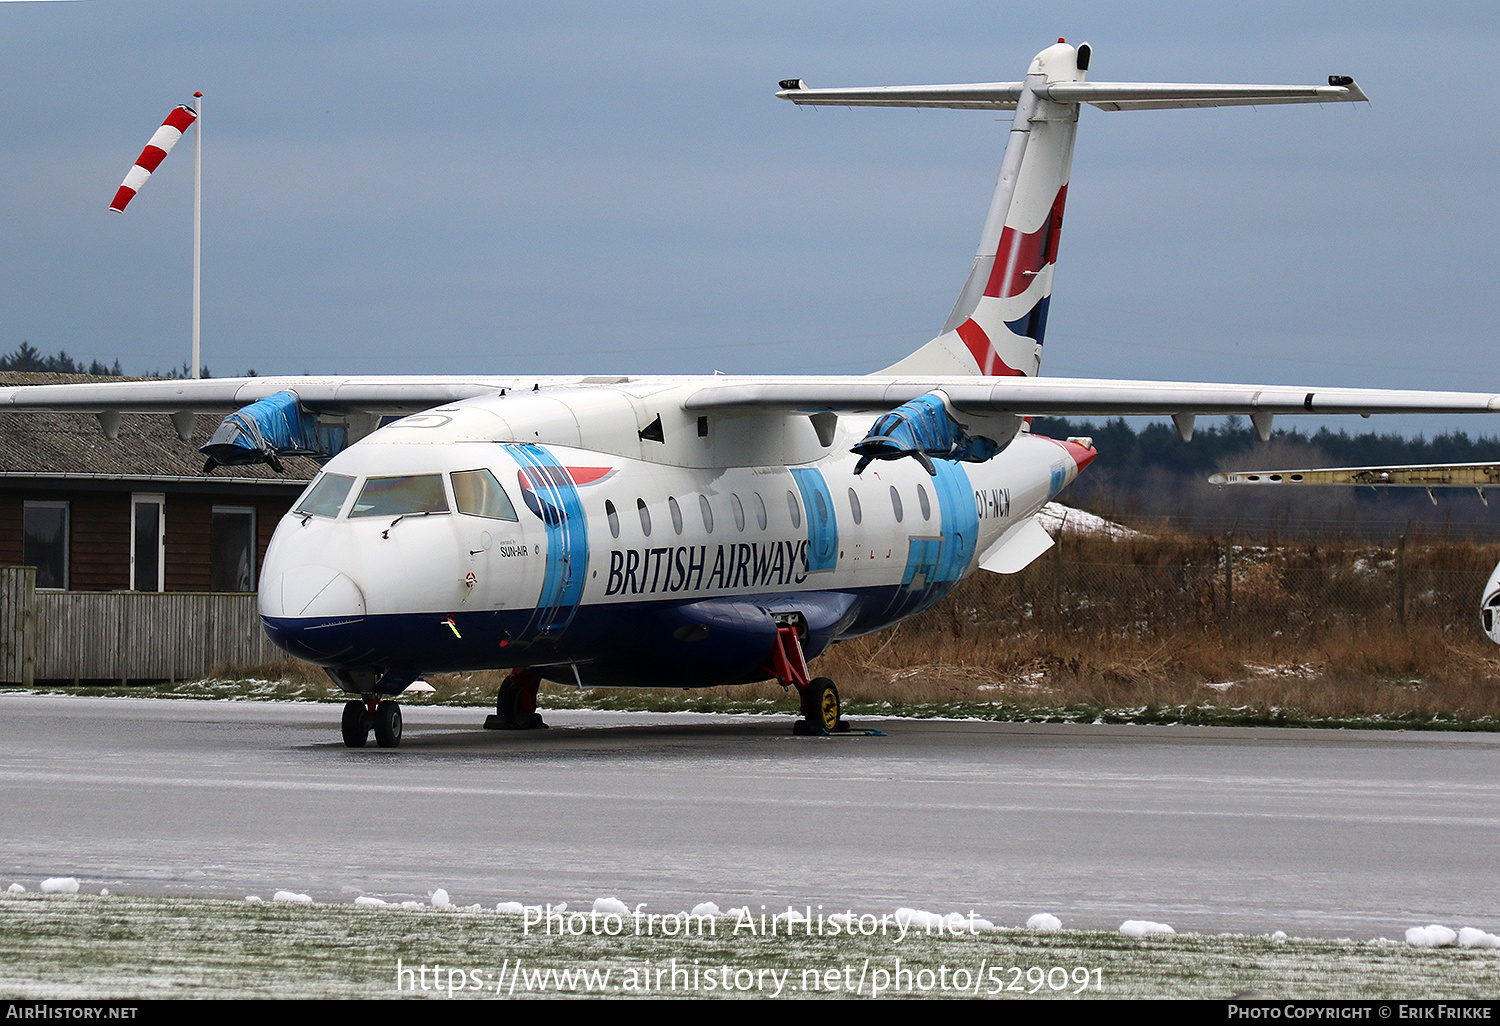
83,946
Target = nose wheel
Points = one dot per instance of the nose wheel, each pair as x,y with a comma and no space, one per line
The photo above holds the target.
362,716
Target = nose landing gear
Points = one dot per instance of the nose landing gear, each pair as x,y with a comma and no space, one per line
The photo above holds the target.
363,715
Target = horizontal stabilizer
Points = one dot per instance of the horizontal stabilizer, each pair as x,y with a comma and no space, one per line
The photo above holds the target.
1017,548
1104,95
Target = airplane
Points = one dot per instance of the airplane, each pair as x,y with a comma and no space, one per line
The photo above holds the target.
692,531
1427,476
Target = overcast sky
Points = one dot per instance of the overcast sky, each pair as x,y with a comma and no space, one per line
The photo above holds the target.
446,187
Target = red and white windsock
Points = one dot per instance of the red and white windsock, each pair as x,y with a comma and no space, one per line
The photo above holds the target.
160,145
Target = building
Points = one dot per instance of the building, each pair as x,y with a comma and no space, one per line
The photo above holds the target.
175,552
134,512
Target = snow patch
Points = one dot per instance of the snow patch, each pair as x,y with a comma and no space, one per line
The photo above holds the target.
302,899
512,908
252,898
440,899
1469,937
1044,921
706,908
366,900
60,885
1054,515
1431,936
1139,928
16,888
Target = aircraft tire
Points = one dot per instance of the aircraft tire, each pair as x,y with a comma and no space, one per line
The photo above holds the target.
388,724
820,707
356,731
515,709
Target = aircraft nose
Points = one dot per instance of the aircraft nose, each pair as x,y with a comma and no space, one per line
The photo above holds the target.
311,590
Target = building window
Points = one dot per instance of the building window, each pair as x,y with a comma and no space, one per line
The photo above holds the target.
148,539
232,549
45,542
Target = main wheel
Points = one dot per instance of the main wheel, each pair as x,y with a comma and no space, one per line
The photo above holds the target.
515,706
356,731
388,724
820,706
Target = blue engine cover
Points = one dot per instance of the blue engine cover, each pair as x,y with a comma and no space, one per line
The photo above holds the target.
924,430
259,433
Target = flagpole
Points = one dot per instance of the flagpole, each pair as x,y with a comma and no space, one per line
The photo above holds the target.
197,232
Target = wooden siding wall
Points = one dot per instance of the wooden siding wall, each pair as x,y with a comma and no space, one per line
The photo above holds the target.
99,534
123,635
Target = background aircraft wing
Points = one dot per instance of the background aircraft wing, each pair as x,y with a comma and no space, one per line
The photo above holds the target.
1434,475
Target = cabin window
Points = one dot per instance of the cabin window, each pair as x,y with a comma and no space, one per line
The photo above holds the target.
45,542
231,545
148,542
896,504
706,508
613,516
479,494
412,495
854,508
739,511
676,512
640,507
325,496
794,509
923,501
760,510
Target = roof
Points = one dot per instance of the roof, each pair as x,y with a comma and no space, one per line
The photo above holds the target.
73,446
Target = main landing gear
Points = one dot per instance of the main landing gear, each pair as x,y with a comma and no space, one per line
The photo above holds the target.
515,705
821,714
363,715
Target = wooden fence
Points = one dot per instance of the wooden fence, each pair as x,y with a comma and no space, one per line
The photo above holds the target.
123,635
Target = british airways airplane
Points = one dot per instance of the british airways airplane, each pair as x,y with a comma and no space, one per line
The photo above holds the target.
696,531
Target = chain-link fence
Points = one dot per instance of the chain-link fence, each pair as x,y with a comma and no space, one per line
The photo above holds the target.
1207,586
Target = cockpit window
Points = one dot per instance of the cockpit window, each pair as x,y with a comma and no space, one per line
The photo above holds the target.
325,496
401,496
477,493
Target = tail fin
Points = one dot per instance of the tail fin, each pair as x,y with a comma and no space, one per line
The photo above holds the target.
997,326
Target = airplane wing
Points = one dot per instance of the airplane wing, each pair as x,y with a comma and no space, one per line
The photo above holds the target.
1042,396
340,394
1102,397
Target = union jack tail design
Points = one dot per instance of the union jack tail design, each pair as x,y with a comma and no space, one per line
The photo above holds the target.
996,327
156,150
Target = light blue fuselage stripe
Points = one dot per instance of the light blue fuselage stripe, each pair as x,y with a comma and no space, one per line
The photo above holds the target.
822,532
567,541
959,519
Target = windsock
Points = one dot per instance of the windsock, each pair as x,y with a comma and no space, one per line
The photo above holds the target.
156,150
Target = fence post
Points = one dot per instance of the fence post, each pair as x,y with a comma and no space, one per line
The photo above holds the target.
1057,570
1228,583
1401,581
